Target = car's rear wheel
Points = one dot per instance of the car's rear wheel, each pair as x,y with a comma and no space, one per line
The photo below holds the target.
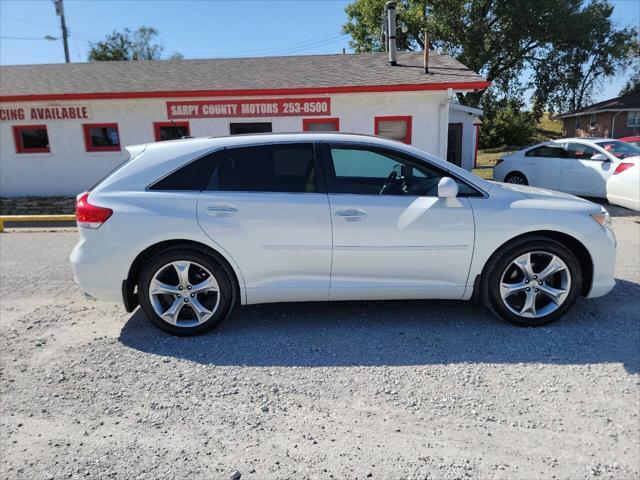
185,291
532,282
517,178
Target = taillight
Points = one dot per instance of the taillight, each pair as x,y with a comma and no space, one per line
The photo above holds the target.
90,216
622,167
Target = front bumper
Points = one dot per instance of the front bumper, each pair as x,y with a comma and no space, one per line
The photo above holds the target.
602,248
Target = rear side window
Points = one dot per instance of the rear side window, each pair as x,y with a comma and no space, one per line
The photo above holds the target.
191,177
286,168
547,151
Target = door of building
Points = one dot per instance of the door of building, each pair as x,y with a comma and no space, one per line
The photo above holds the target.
454,144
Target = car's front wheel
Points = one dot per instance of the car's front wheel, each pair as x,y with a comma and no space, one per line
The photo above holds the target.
532,282
185,291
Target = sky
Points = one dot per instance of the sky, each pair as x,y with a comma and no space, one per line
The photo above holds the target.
202,29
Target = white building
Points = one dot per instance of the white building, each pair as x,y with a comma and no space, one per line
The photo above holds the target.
64,126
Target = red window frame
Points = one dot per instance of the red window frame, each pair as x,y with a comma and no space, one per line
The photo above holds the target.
158,125
307,121
406,118
17,136
86,127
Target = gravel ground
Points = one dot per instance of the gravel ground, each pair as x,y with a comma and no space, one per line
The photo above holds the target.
345,390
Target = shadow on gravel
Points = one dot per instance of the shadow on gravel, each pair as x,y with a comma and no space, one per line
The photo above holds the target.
404,333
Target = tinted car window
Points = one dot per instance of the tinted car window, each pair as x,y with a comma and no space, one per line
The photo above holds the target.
580,151
369,171
547,151
192,177
267,168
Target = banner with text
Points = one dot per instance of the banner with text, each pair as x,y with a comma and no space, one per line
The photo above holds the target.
55,112
275,107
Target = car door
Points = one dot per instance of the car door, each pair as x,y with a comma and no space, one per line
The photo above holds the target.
393,238
580,174
267,207
545,165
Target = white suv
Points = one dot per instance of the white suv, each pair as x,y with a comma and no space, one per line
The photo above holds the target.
191,228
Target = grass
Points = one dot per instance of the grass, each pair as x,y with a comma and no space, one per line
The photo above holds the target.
547,129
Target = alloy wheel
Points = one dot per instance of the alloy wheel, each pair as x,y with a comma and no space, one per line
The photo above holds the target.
535,284
184,293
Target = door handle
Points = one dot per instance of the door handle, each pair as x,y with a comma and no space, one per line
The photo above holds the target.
351,214
221,210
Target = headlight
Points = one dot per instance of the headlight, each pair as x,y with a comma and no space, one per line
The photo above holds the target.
602,218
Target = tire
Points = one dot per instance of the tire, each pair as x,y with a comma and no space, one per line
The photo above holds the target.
516,178
211,278
504,275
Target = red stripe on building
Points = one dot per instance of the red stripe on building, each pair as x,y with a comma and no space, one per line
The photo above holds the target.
409,87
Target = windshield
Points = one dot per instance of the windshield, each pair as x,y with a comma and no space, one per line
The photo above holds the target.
619,149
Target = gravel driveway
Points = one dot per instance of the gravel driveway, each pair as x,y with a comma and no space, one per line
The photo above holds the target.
330,391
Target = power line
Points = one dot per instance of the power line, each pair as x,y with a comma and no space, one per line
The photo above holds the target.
24,38
77,32
282,49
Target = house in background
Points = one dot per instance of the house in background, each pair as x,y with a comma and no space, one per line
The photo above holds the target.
615,118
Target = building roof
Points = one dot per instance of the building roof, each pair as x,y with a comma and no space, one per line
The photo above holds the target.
466,109
625,102
238,76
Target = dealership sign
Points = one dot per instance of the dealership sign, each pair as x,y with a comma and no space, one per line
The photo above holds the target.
274,107
44,113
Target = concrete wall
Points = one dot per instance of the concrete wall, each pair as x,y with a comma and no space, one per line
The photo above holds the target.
68,169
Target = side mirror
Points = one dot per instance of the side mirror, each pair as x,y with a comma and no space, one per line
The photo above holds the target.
600,157
447,188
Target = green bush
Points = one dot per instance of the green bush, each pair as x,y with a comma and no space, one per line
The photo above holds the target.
505,123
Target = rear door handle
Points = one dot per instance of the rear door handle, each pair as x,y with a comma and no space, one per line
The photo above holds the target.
351,214
221,210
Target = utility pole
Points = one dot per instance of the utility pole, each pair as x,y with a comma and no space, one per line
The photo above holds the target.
63,26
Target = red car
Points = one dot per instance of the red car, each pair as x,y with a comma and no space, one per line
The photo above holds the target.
633,140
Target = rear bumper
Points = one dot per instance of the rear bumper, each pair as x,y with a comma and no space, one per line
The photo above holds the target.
98,268
602,248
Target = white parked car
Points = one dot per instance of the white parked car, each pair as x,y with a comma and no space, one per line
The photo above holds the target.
623,187
191,228
580,166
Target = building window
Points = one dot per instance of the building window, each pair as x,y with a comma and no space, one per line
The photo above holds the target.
320,125
101,137
592,121
252,127
633,119
396,128
170,130
577,124
31,138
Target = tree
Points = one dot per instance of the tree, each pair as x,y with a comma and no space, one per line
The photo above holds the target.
502,39
576,65
127,45
633,84
506,122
